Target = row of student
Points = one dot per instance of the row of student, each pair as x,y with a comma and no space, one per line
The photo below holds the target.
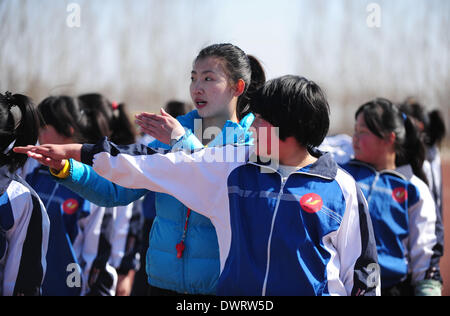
194,272
88,249
431,130
327,243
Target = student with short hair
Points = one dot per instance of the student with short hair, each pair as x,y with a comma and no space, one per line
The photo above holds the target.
300,229
24,224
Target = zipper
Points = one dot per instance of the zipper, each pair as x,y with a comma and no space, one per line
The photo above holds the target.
377,176
52,196
283,182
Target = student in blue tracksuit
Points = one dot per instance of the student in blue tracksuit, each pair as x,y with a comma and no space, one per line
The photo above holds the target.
183,256
24,224
289,221
431,125
388,167
111,119
63,122
86,241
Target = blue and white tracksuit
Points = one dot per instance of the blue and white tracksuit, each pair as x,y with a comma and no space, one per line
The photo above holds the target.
404,220
197,272
24,234
81,236
307,234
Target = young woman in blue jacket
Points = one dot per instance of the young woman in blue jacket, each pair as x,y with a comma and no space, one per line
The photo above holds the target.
388,167
183,256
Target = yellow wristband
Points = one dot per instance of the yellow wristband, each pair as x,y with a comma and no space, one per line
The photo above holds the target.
64,173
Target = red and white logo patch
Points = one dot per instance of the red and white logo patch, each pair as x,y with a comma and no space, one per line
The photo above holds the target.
400,194
311,203
70,206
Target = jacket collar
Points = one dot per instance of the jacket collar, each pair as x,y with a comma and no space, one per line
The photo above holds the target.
5,178
232,132
398,172
406,171
325,167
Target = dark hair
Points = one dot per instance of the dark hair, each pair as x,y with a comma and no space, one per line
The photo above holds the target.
64,114
382,117
238,65
297,106
178,108
19,123
106,119
433,122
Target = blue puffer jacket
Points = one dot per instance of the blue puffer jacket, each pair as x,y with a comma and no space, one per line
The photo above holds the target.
197,272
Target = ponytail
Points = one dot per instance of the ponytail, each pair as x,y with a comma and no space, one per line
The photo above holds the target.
258,78
436,129
412,151
107,119
432,123
123,131
19,126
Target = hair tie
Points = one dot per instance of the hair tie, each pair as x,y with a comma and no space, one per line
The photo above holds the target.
115,105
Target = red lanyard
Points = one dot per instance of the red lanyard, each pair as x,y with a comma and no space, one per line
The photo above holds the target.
180,246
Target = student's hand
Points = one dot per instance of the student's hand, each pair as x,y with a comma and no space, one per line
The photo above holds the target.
52,156
125,284
163,127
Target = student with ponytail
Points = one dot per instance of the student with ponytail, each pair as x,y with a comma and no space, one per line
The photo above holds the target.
24,224
432,127
388,167
183,256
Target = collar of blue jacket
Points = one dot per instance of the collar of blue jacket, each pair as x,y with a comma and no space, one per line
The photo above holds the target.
231,133
325,167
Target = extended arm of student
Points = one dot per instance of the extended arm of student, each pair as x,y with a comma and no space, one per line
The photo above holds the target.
83,180
205,172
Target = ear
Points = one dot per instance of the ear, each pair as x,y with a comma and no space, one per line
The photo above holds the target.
239,88
71,131
390,138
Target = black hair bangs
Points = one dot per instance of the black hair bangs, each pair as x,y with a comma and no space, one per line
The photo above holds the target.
297,106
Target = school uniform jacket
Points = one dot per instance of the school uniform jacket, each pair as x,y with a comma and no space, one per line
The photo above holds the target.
309,234
24,231
404,220
80,238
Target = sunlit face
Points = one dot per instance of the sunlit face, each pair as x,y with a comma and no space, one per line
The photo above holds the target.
367,146
210,88
49,135
265,137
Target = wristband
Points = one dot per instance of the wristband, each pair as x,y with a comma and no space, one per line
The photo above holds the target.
64,173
